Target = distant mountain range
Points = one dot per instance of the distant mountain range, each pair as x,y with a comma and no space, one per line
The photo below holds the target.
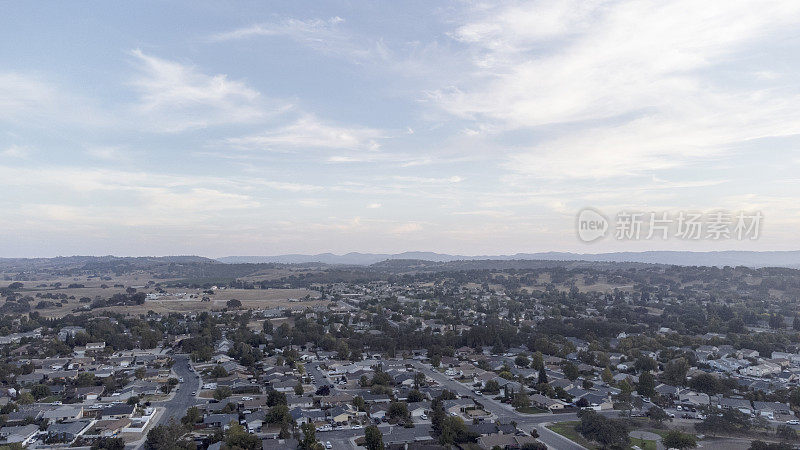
720,258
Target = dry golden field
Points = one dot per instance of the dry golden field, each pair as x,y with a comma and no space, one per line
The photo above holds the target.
174,300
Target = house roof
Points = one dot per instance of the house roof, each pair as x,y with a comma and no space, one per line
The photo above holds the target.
70,428
118,409
222,419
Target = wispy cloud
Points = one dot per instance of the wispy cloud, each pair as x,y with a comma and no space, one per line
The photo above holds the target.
310,132
15,151
176,97
297,28
631,80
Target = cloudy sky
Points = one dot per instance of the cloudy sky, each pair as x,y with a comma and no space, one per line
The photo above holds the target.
247,128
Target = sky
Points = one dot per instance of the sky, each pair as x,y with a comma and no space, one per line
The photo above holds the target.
263,128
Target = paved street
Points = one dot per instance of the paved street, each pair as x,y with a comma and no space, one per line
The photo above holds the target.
176,407
506,413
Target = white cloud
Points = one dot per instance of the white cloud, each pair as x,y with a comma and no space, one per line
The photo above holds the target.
109,153
374,205
32,100
322,35
297,28
417,180
310,132
176,97
15,151
20,92
407,228
634,82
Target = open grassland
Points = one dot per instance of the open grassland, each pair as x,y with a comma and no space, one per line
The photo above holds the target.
170,299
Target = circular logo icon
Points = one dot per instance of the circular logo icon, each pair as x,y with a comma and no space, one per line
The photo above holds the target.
591,225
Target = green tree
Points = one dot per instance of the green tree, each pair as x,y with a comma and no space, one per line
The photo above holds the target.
218,372
491,387
222,393
453,431
761,445
522,361
25,398
373,438
675,372
521,400
676,439
108,443
85,379
626,388
707,384
167,437
40,391
140,372
359,403
399,411
786,433
298,389
570,371
233,304
727,421
236,437
193,416
415,396
609,433
309,440
647,385
276,398
657,415
542,376
279,414
645,364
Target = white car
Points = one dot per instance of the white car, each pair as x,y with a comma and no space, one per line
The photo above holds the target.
423,417
328,445
793,422
357,427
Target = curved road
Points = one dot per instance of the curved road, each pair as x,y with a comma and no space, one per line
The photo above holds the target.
183,399
506,413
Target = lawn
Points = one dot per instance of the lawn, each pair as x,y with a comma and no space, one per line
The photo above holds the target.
567,429
643,444
531,410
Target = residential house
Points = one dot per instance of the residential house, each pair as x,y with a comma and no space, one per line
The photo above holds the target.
117,411
547,403
68,431
66,412
22,435
220,420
